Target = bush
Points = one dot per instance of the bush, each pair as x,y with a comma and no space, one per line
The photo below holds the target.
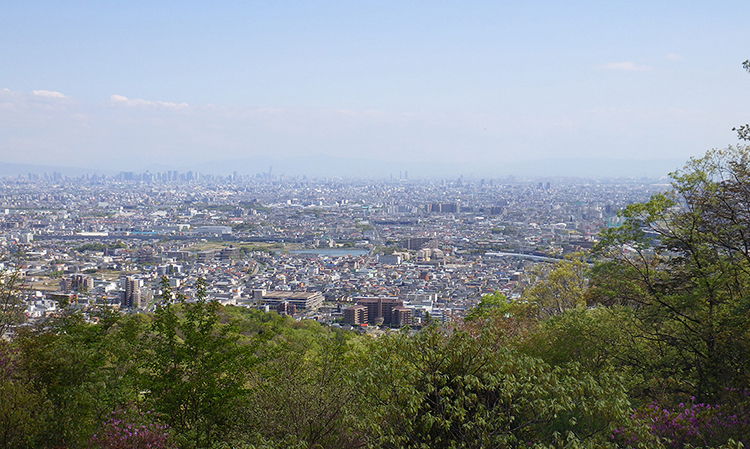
692,424
128,430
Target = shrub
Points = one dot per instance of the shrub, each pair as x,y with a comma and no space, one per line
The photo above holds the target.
128,430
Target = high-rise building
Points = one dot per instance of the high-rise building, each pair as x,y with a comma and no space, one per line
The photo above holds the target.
132,294
379,310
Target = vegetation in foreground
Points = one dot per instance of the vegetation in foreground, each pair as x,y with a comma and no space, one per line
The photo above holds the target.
647,348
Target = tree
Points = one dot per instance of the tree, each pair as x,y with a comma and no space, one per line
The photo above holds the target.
194,366
491,304
681,261
557,289
12,306
599,340
459,390
22,406
301,392
743,132
80,364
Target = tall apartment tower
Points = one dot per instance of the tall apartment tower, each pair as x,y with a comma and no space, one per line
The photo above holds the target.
132,294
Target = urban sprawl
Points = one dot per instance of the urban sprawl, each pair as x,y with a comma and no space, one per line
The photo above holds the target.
356,253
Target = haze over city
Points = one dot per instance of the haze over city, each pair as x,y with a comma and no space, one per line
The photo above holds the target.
374,224
357,88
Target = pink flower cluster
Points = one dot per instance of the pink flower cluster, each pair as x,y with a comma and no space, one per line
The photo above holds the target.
694,424
123,430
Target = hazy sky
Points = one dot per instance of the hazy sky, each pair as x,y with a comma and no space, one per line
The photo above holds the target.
134,83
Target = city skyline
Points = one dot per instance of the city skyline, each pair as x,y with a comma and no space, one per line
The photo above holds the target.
477,87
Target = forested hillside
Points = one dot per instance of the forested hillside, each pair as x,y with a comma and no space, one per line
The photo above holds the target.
646,347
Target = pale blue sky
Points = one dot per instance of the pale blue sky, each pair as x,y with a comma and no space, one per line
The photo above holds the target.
130,84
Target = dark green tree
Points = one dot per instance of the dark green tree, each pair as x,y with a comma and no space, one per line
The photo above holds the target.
80,363
22,406
301,392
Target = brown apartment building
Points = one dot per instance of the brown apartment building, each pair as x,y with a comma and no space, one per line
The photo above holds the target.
378,310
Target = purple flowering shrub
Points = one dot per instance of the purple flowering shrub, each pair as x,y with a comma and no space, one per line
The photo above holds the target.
691,424
8,361
129,430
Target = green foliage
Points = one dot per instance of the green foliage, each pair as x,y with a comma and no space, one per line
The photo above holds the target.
557,289
100,247
21,407
246,249
194,366
458,390
507,229
681,261
364,227
11,305
78,367
243,227
387,250
301,393
491,304
743,132
599,340
254,323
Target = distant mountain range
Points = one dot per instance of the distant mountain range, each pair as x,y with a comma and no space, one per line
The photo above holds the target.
331,166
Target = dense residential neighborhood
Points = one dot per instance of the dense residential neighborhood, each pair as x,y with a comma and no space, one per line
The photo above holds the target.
309,248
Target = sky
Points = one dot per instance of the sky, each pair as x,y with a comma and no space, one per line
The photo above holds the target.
136,84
